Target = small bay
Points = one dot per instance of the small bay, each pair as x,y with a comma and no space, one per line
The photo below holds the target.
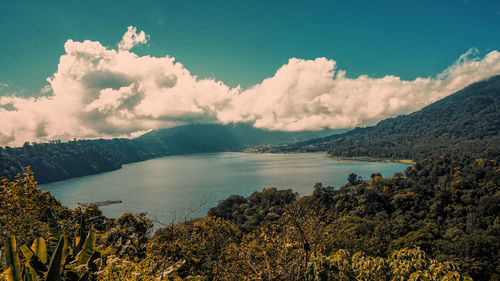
166,188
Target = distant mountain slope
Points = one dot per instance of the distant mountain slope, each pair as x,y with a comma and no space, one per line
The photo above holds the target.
63,160
465,123
196,138
199,138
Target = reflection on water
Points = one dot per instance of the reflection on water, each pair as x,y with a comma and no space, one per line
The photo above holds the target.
167,187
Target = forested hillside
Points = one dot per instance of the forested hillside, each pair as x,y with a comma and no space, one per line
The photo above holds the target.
438,221
57,160
465,123
447,206
196,138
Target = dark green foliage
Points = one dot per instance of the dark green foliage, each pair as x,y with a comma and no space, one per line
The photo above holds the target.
63,264
200,242
23,209
11,263
258,209
57,160
352,179
54,272
447,206
129,235
9,164
55,231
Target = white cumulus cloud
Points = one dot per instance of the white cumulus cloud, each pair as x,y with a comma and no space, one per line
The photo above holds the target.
131,39
102,92
312,94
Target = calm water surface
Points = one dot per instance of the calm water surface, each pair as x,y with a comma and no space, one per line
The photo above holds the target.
167,187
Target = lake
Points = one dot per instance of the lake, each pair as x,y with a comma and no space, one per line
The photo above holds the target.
166,188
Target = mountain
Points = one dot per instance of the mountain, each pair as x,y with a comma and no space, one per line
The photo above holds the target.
200,138
464,123
57,160
197,138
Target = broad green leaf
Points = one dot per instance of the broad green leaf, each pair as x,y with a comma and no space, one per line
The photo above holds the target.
27,252
83,232
40,249
87,251
54,230
54,273
12,260
35,267
66,252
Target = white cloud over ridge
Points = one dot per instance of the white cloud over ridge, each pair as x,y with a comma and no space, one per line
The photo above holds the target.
101,92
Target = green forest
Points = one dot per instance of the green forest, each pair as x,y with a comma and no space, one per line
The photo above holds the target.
462,124
437,221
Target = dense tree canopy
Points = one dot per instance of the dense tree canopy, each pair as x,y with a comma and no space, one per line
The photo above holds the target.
438,219
447,206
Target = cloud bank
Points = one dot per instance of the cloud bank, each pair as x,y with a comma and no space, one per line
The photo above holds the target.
102,92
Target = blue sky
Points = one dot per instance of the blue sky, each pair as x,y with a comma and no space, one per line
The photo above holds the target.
301,65
243,42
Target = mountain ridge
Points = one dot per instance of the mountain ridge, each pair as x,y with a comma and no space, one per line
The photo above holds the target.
56,160
465,122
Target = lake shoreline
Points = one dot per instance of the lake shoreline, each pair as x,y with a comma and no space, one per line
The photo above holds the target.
326,155
369,159
170,185
340,158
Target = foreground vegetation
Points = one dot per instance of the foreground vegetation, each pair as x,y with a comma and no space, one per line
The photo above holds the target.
438,221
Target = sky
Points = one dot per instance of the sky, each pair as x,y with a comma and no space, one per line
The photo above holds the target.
281,65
